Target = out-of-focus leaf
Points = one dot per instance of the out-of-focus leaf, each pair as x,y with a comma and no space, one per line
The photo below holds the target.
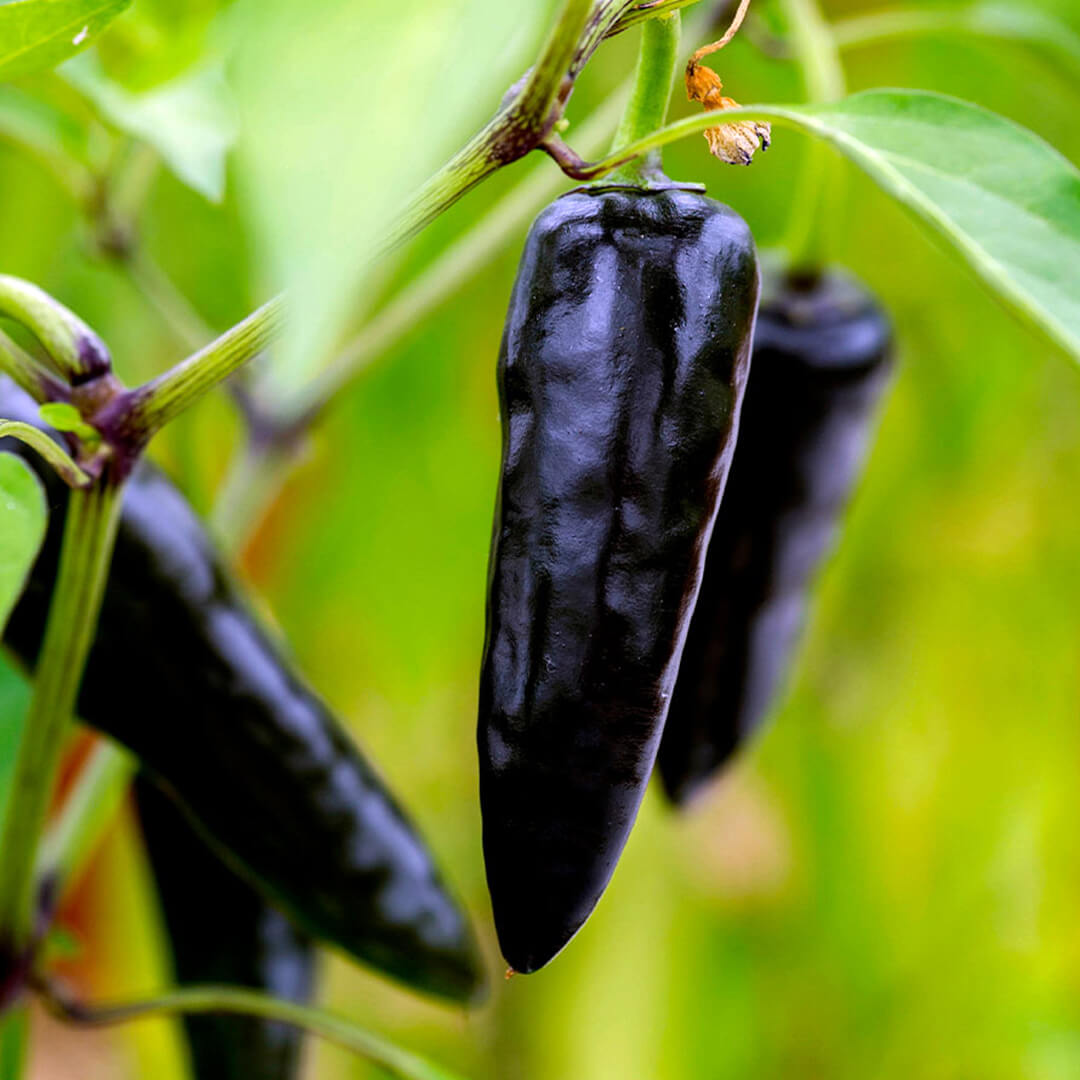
153,43
1030,25
1006,201
40,127
39,34
1008,22
189,121
23,516
344,116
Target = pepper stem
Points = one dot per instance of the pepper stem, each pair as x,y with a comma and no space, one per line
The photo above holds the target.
74,350
239,1001
646,111
89,532
818,57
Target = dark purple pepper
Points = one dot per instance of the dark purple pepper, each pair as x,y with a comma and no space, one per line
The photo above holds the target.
223,932
621,372
822,358
183,675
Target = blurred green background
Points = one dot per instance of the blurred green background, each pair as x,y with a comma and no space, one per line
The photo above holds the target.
886,884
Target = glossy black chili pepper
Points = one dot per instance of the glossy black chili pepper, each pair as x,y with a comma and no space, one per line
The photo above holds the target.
183,675
822,354
223,932
620,376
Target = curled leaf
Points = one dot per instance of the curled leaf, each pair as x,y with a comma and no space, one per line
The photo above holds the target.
733,143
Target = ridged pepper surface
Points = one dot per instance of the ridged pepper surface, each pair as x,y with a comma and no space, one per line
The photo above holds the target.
183,675
621,371
822,358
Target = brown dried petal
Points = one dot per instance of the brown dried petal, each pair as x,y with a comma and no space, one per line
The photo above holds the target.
704,85
734,143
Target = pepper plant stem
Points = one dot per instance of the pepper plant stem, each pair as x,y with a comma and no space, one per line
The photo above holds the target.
648,105
257,474
252,484
231,999
445,275
28,374
164,398
817,55
89,532
51,451
509,135
160,292
76,352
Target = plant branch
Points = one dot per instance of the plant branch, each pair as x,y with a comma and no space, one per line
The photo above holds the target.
258,472
161,400
77,353
648,105
577,168
89,532
530,115
649,9
48,448
253,482
446,274
234,1000
515,130
28,374
72,175
815,51
161,293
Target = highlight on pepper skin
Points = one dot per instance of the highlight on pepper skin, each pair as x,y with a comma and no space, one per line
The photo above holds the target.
621,373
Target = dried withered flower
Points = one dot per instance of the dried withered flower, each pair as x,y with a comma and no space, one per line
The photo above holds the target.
734,143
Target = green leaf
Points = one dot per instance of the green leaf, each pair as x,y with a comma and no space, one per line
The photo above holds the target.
23,517
1029,25
61,416
344,117
189,121
41,128
36,35
1000,21
1004,200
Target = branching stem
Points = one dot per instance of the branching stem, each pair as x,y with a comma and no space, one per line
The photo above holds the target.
89,532
163,399
648,105
48,448
76,352
815,51
30,376
234,1000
